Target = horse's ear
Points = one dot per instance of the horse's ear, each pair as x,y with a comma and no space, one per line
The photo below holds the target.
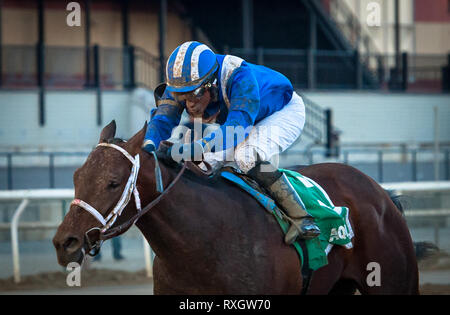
108,132
134,144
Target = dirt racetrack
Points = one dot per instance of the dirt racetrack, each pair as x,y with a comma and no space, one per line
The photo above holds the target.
110,278
89,278
437,265
435,289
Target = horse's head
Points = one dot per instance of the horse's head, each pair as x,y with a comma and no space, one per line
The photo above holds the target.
101,184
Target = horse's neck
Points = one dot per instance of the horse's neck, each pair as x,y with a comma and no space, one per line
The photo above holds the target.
167,226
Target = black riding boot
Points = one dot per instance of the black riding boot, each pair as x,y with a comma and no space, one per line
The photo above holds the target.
285,195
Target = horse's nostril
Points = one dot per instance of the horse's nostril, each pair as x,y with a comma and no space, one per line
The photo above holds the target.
71,243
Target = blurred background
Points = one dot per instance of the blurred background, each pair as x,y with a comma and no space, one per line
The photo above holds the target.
375,77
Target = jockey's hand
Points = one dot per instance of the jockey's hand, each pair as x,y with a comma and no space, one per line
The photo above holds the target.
163,152
149,146
187,152
176,153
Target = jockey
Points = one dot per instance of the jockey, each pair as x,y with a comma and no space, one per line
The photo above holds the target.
237,95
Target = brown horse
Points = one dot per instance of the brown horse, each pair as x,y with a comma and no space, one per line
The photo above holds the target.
210,237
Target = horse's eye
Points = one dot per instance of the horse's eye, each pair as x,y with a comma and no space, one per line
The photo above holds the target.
113,185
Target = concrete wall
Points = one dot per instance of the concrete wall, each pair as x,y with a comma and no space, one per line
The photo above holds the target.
71,123
383,118
432,38
71,117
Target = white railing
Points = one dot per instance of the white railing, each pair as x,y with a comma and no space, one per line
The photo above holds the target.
68,194
422,187
418,186
25,196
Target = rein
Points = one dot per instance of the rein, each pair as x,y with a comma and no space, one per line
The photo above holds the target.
125,226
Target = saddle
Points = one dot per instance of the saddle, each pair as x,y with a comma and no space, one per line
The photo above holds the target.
333,221
247,179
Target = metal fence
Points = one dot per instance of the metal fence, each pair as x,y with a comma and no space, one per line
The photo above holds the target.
336,70
326,69
55,169
416,73
395,164
74,67
127,67
147,69
318,124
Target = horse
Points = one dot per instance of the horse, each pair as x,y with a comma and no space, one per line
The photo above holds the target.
210,237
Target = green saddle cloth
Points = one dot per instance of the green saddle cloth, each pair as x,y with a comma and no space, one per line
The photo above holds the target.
333,221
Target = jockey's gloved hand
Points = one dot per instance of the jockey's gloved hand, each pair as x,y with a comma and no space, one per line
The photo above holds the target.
177,153
149,146
187,152
163,153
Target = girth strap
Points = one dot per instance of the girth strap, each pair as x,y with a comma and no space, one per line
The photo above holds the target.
306,271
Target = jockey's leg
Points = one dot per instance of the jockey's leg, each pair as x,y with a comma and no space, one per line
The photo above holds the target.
283,192
267,139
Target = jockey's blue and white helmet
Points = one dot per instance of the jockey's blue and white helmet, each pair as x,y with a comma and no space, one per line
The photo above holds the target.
189,66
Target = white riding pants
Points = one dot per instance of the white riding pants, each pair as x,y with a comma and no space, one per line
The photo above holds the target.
267,139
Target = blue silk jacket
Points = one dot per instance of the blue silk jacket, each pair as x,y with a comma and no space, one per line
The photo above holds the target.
247,94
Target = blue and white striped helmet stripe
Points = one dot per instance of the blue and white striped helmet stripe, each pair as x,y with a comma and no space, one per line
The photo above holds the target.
189,65
179,60
194,61
186,60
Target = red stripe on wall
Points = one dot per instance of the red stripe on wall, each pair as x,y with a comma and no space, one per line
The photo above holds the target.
432,11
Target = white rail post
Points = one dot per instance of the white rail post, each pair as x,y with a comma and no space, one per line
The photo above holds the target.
436,143
148,258
15,239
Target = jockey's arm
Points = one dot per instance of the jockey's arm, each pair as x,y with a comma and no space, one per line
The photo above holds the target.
163,119
243,93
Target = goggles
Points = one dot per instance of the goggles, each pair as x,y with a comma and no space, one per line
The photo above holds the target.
193,96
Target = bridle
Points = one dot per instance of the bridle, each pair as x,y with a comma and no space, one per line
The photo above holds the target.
106,231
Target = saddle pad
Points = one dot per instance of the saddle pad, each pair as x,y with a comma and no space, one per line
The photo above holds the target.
333,221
